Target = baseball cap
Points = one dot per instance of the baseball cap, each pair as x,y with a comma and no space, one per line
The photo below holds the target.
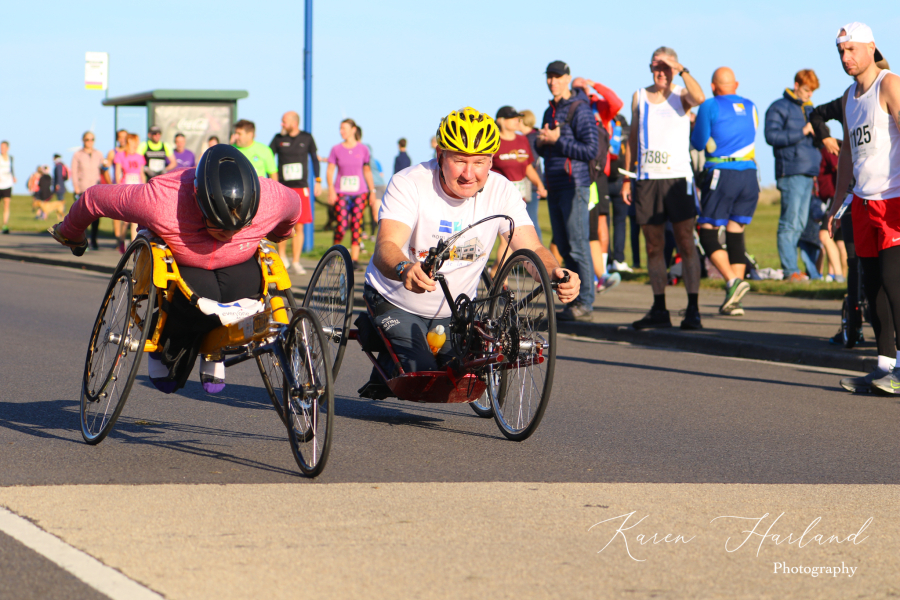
558,67
507,112
155,129
859,33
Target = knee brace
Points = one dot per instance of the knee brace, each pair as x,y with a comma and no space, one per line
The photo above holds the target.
735,243
709,239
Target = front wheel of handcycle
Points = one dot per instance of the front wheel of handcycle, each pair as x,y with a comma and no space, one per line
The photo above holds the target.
330,295
524,306
117,341
309,405
482,406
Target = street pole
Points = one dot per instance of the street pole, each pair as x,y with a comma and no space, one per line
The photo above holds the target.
309,228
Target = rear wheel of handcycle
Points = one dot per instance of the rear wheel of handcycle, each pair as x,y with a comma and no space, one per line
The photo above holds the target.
330,296
309,409
117,342
270,367
482,406
526,379
850,323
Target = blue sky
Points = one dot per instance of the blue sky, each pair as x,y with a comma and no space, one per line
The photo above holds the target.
394,69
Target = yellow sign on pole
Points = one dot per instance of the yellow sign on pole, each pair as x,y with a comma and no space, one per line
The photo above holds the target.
96,70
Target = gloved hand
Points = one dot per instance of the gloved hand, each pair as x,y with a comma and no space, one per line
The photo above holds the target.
77,248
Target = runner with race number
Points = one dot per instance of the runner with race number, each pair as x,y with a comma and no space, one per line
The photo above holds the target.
353,184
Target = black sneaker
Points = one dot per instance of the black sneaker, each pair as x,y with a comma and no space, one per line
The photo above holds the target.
691,319
6,231
375,391
655,319
574,312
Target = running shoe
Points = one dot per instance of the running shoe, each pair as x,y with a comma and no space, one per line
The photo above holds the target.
375,390
608,282
94,246
733,296
575,311
121,247
838,338
889,383
6,231
655,319
691,319
620,267
737,311
298,268
863,385
798,278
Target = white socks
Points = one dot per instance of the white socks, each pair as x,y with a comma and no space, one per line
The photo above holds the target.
157,370
886,363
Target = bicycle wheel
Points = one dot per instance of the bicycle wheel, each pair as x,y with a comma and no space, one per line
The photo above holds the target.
529,338
309,409
482,406
117,342
270,367
851,323
330,296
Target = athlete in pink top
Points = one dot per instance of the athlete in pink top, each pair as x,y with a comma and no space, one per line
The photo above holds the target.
167,206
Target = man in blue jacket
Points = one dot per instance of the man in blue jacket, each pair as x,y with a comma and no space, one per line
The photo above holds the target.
790,134
567,142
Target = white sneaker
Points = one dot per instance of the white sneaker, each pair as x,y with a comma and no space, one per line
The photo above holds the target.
298,268
620,267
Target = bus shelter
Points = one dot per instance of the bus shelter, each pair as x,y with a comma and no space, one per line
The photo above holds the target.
198,114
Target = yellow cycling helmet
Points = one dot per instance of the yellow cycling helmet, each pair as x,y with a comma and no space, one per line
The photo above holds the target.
468,131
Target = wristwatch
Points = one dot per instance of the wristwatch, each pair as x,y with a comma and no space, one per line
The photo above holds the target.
400,266
685,70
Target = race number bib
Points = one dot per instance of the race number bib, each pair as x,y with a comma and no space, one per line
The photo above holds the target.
157,165
862,142
524,189
655,161
349,184
293,171
132,178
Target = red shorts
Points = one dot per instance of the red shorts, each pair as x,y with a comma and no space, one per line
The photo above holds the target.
306,211
876,225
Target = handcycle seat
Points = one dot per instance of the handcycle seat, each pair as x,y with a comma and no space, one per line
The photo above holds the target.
443,387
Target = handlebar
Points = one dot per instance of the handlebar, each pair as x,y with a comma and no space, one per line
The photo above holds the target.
555,284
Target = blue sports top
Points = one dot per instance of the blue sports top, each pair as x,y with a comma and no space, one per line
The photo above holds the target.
726,129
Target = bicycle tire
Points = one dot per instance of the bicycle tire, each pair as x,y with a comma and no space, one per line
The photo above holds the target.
482,406
332,300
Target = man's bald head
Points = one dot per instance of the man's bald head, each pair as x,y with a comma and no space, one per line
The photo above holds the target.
290,123
723,82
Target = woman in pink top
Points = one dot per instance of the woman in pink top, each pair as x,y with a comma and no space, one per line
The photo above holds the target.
130,171
348,190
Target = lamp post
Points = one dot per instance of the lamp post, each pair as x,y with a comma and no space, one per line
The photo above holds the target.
309,228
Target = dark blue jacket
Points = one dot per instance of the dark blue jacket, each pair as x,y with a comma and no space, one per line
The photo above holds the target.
566,161
401,161
795,153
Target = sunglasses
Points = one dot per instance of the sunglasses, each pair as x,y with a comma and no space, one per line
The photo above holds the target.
88,140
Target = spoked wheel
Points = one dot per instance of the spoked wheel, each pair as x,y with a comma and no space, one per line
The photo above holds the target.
309,408
482,406
270,366
526,379
851,323
117,342
330,296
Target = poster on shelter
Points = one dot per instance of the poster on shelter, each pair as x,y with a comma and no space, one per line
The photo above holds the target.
196,121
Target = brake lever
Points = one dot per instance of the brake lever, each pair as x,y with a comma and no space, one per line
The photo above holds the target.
555,284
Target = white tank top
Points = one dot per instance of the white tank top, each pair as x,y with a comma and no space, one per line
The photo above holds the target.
664,138
874,144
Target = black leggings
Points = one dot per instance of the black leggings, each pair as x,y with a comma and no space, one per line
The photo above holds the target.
186,325
880,287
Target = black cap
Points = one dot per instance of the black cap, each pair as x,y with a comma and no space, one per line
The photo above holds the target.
507,112
558,67
155,129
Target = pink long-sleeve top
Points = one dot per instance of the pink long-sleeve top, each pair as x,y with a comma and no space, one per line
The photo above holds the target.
167,206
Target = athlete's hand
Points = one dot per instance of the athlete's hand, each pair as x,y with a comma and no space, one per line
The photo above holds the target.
832,224
808,129
567,291
670,61
317,190
541,192
548,136
77,245
626,192
332,196
831,145
416,280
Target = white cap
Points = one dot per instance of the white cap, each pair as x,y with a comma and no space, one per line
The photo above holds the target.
859,33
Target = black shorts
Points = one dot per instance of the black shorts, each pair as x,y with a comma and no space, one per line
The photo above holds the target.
594,221
659,200
6,193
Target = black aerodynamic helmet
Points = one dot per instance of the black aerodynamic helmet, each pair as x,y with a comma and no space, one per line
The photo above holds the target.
227,187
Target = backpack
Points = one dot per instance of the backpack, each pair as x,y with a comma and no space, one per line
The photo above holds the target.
65,172
597,165
34,183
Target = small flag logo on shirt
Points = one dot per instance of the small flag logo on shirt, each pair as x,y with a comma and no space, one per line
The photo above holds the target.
739,108
445,227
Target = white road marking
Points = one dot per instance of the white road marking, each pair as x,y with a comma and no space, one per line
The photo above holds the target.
91,571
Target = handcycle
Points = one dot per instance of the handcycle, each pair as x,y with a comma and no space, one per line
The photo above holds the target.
504,338
285,340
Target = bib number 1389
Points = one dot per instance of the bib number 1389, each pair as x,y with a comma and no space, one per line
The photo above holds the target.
655,157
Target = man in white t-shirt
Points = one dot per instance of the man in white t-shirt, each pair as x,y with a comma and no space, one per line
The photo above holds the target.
431,201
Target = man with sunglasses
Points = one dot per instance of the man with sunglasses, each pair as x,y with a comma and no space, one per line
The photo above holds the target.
85,172
212,218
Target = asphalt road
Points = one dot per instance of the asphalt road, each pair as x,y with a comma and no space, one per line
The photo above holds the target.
619,414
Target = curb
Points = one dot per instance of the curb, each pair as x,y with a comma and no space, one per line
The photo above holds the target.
702,343
716,345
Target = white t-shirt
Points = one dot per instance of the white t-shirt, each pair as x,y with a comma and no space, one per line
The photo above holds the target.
6,178
414,196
